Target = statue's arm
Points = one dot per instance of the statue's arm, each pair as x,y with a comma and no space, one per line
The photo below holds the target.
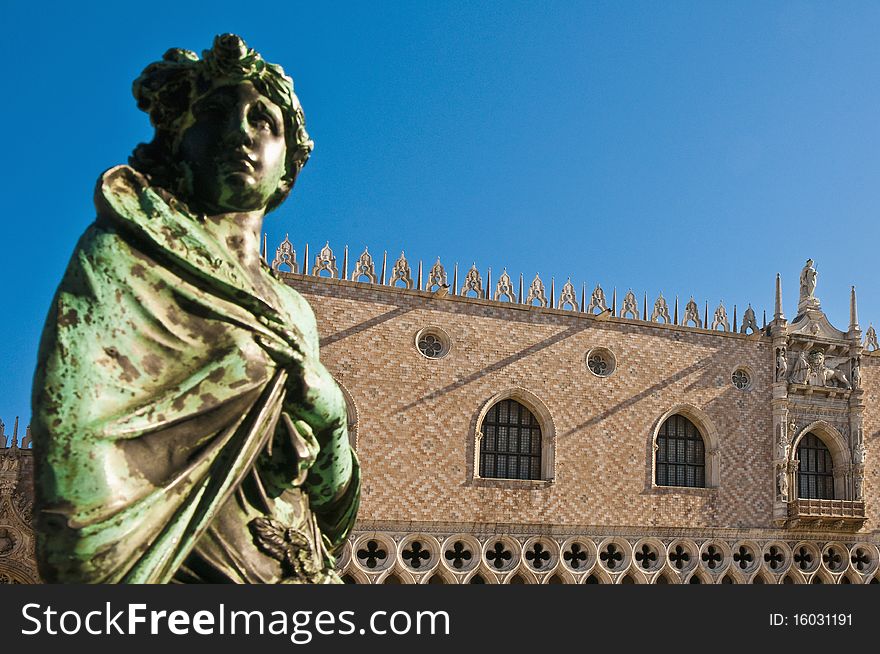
314,397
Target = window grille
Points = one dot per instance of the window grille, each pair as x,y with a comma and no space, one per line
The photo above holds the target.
815,469
680,454
511,444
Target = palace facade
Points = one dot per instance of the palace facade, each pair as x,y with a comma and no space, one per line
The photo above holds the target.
508,433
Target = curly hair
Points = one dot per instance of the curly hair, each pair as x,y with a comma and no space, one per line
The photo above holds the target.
168,89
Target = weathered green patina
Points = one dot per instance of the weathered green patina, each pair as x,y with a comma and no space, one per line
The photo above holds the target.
184,428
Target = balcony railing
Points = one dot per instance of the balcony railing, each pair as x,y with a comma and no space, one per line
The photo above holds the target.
826,514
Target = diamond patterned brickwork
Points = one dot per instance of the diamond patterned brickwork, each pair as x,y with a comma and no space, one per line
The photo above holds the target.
417,418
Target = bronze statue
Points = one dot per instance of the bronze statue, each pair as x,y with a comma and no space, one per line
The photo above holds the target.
184,427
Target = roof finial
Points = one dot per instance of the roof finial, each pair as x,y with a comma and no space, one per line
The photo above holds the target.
853,312
777,312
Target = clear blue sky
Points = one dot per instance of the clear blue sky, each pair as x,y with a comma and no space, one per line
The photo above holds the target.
689,147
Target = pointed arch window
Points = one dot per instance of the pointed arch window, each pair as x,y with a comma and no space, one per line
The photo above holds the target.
680,454
510,447
815,469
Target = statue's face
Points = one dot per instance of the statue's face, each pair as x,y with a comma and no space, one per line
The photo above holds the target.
235,149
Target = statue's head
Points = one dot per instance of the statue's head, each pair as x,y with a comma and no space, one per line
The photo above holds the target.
817,357
230,132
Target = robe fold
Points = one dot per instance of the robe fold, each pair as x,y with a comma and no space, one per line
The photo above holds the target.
183,425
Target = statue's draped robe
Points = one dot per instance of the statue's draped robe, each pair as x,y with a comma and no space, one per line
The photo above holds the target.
183,425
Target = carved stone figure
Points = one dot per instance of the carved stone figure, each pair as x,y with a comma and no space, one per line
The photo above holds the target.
856,375
800,370
808,280
820,373
184,427
782,483
781,364
782,444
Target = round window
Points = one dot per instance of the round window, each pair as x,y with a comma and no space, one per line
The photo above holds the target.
432,342
601,362
741,379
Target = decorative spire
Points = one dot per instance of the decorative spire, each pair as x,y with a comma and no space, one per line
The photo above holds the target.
400,272
853,312
777,312
597,301
473,283
504,288
567,297
363,267
285,255
345,263
325,261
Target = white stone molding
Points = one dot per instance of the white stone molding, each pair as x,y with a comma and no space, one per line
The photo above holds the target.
325,261
614,555
536,292
835,558
805,557
630,306
715,556
649,555
414,548
661,310
285,255
504,288
745,557
494,554
567,296
578,555
373,553
720,319
540,555
599,574
633,576
597,301
473,283
461,553
692,314
771,560
364,267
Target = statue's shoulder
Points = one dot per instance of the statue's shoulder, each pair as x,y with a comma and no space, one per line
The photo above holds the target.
299,312
118,190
